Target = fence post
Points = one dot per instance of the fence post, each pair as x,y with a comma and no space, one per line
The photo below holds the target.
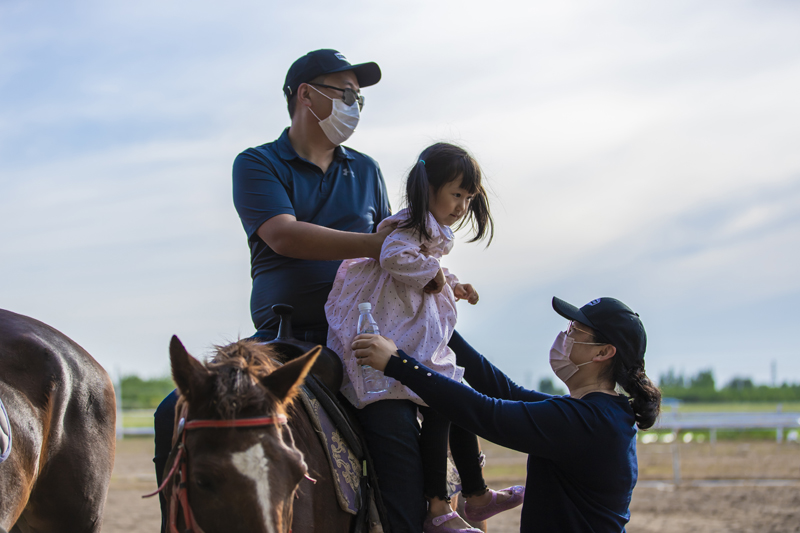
779,430
676,460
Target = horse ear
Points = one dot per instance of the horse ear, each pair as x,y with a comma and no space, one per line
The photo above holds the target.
284,383
187,372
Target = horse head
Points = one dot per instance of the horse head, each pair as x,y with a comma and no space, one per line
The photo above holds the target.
240,467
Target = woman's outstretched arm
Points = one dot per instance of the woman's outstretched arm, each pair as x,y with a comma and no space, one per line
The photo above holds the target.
486,378
544,427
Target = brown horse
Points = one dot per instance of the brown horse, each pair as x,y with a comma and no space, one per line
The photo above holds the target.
62,413
242,469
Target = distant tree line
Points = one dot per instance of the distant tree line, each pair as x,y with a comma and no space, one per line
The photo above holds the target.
547,386
702,388
138,393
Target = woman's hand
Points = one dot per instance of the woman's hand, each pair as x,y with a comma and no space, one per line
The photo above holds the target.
373,350
465,291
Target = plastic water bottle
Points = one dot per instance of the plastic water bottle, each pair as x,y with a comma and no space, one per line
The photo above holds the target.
374,380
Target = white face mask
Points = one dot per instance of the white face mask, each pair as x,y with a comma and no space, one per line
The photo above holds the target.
341,123
560,362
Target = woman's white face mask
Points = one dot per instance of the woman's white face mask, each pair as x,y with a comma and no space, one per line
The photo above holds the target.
560,362
341,123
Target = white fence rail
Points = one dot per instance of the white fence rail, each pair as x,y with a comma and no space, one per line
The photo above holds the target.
679,421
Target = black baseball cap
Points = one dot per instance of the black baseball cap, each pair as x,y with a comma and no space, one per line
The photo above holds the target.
327,61
614,322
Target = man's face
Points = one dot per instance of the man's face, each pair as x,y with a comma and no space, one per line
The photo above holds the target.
343,80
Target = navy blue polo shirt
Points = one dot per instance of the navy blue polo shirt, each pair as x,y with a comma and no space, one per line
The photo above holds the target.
271,180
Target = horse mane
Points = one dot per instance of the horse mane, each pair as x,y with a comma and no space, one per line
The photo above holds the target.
237,370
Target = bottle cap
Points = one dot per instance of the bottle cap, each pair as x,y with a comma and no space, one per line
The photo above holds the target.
366,306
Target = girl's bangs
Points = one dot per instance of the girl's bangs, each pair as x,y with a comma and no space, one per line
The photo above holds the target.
470,175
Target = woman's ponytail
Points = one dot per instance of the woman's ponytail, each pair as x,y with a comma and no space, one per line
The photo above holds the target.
645,397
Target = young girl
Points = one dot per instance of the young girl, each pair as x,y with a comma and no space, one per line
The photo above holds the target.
414,302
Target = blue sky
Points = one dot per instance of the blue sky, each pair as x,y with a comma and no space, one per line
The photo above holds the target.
642,150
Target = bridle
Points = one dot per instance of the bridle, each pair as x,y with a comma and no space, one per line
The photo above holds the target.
180,494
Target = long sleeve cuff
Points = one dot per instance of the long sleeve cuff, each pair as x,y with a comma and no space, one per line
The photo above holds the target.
405,368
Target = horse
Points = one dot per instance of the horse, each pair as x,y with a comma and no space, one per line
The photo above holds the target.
239,463
62,412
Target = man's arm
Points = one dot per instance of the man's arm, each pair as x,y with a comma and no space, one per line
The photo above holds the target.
302,240
266,210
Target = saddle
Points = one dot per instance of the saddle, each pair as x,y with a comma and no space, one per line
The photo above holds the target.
5,433
337,428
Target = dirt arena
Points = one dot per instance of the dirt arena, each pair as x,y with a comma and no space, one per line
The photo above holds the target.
755,488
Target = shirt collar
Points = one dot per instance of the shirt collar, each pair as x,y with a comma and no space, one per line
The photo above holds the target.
287,151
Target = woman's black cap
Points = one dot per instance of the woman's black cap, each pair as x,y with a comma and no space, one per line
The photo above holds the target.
327,61
614,321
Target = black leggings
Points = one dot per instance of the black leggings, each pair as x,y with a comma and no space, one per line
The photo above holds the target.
433,447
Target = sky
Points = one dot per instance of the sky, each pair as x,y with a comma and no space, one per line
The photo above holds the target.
636,149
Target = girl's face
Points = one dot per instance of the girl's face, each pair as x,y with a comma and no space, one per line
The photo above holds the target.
450,203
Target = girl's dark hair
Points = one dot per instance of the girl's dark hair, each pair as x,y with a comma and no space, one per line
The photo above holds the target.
436,166
645,397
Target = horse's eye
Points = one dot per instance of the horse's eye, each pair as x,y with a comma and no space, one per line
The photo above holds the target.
203,482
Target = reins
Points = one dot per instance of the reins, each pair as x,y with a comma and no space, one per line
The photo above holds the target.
180,494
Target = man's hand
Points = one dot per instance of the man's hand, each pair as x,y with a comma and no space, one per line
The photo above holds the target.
373,350
436,285
376,241
465,291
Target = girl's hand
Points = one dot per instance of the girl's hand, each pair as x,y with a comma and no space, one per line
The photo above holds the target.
465,291
373,350
436,285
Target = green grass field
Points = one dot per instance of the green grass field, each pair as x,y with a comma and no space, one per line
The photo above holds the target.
138,418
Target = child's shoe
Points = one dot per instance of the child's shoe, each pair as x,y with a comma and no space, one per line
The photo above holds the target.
434,525
484,512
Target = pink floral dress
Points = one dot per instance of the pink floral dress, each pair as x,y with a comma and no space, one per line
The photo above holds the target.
421,324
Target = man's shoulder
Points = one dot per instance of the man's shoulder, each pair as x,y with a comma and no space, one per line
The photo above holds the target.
265,152
254,161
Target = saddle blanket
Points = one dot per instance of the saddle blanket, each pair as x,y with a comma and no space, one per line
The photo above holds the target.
345,466
5,433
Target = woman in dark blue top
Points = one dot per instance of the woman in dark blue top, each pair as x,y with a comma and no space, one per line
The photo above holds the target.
582,447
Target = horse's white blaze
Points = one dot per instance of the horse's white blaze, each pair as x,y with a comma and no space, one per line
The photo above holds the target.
253,464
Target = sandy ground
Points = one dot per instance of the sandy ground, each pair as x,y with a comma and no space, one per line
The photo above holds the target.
738,499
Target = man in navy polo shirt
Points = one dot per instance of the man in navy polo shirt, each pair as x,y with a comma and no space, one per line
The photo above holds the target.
306,203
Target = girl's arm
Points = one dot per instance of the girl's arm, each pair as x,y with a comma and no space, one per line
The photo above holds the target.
450,278
402,258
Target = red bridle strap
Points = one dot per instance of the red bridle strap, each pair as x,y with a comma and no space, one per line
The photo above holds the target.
179,493
240,423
